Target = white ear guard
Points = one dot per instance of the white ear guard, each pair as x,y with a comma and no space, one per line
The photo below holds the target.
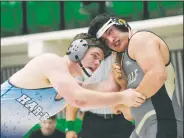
109,23
78,49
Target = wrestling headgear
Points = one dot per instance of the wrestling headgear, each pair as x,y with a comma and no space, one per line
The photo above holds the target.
109,23
103,21
79,47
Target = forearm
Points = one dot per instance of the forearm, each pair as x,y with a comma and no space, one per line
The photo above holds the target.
104,86
151,83
92,99
71,113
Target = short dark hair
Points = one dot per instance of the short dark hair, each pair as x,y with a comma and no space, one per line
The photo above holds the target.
54,117
99,21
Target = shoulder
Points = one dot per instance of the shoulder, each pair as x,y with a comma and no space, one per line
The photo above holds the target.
45,60
48,57
141,41
143,36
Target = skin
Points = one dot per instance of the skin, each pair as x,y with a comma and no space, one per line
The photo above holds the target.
48,127
48,70
151,55
71,111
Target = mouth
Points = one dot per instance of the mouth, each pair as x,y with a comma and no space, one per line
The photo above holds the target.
91,69
117,43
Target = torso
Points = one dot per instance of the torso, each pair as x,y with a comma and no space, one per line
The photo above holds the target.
26,99
163,105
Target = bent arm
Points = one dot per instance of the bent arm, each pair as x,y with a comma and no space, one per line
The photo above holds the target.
71,113
148,56
60,78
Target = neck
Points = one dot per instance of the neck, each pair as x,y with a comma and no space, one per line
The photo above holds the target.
131,32
73,67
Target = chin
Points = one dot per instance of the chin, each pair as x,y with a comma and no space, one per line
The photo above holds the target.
47,133
120,49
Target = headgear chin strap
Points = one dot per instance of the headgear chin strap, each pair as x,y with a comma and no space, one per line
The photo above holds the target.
109,23
77,50
85,71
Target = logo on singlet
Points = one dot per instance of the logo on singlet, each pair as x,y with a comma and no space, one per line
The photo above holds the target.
128,63
132,77
33,107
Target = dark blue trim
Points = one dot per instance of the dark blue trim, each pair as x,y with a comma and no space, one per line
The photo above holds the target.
29,89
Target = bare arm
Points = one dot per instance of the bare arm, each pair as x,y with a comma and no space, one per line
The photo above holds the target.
71,115
148,56
66,85
104,86
71,112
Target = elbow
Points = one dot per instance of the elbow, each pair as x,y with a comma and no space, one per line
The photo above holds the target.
161,77
76,100
79,103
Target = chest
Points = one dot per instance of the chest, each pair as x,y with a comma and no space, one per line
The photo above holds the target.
132,71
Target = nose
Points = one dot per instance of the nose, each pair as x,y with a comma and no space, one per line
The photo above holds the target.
97,63
47,125
111,40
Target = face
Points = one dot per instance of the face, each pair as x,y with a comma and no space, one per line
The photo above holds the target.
48,127
115,39
92,58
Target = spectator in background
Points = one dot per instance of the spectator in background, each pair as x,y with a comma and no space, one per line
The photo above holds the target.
48,130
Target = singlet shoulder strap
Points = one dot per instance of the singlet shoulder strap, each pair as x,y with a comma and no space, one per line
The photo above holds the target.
144,30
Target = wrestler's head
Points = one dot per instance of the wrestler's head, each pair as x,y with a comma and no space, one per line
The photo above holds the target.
48,126
112,30
87,51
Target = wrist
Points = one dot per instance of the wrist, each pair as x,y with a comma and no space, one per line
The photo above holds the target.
69,126
133,122
121,96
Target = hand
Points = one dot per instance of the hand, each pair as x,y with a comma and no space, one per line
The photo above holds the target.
118,74
116,109
132,98
71,134
121,108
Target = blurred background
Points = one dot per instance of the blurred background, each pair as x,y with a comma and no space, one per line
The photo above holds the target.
31,28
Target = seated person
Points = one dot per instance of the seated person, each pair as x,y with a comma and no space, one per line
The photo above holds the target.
48,130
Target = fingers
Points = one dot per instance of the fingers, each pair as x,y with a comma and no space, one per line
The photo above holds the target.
117,71
141,96
116,66
140,100
137,104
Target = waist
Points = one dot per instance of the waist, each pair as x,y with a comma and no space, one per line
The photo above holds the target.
104,110
104,116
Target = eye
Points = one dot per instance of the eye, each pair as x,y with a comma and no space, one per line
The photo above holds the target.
94,56
109,31
100,61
